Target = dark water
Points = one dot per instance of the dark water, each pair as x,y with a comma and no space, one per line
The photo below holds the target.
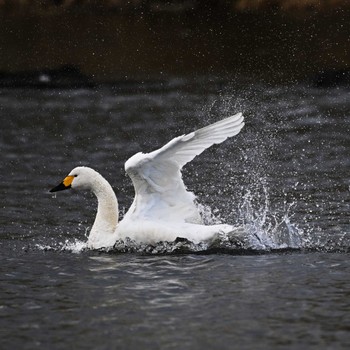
284,178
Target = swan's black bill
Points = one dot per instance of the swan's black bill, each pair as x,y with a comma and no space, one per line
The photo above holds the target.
65,184
60,187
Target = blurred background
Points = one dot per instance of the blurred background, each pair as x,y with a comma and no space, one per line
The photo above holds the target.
106,40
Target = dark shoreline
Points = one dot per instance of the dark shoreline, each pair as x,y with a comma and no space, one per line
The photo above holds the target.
177,7
267,44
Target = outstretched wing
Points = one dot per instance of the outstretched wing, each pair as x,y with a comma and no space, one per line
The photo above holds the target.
159,190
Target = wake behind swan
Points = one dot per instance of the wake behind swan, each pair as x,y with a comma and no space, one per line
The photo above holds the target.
162,209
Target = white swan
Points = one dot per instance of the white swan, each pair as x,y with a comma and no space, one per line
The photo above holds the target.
162,209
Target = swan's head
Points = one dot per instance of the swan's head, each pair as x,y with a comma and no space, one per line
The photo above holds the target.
79,178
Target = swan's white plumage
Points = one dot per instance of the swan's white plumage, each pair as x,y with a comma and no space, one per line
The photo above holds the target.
162,208
159,190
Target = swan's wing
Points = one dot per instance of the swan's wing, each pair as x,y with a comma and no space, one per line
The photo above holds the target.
159,190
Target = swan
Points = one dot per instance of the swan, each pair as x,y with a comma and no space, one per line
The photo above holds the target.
162,209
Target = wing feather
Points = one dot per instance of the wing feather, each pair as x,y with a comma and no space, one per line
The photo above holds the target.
184,148
159,189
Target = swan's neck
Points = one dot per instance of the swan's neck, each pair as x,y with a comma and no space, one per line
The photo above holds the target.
103,231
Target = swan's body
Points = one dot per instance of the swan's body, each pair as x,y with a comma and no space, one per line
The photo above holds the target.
162,209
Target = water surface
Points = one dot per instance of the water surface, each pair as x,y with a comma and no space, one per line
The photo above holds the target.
284,178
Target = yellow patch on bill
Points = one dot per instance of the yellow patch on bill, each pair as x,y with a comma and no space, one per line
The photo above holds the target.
68,181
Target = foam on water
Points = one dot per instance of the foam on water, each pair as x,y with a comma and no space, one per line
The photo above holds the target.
74,246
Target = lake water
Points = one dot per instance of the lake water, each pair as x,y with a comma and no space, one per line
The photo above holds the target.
284,178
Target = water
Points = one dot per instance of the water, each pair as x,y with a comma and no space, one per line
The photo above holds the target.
284,178
297,301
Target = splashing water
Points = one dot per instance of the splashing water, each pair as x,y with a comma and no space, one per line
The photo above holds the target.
265,228
74,246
